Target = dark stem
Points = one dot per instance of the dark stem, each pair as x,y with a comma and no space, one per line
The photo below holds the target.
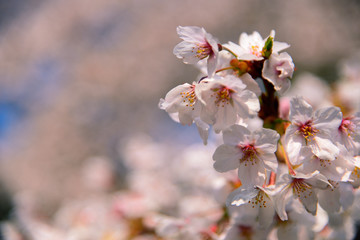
269,109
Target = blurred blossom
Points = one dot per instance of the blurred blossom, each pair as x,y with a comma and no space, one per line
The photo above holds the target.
314,90
98,174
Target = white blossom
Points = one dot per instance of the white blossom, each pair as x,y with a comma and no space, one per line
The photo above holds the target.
277,70
313,129
251,152
251,46
183,105
226,100
302,187
197,45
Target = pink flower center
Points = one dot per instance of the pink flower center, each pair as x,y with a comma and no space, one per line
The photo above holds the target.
308,131
255,50
202,50
347,126
189,97
249,154
223,96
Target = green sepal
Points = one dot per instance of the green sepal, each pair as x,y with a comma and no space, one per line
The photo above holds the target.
267,49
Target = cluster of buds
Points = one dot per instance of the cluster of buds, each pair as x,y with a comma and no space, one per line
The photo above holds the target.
299,164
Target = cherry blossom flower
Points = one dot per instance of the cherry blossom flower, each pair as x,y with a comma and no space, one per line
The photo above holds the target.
251,152
302,187
313,129
338,196
243,228
338,169
182,100
313,89
300,224
226,100
183,106
277,69
197,45
258,199
349,132
355,174
250,47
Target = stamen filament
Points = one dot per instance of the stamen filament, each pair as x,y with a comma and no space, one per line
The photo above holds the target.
232,53
224,69
291,170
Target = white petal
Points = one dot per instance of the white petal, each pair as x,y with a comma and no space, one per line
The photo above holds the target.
280,201
185,117
241,196
327,119
267,140
307,196
300,110
251,84
203,129
211,64
270,161
347,195
266,214
184,50
305,157
235,134
252,175
225,117
315,179
329,199
279,46
226,158
191,33
323,147
293,144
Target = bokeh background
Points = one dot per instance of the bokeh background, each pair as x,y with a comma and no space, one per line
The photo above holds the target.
79,78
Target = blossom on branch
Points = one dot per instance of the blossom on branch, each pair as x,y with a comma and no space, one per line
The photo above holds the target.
302,187
183,106
197,45
251,152
313,129
226,100
277,70
251,46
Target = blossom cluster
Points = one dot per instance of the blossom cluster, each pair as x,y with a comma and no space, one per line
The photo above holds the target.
285,160
297,164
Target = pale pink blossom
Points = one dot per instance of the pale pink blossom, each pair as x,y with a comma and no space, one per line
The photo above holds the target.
300,224
226,100
243,229
338,169
184,101
302,187
338,196
183,105
251,46
197,45
348,133
257,199
313,129
277,70
251,152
